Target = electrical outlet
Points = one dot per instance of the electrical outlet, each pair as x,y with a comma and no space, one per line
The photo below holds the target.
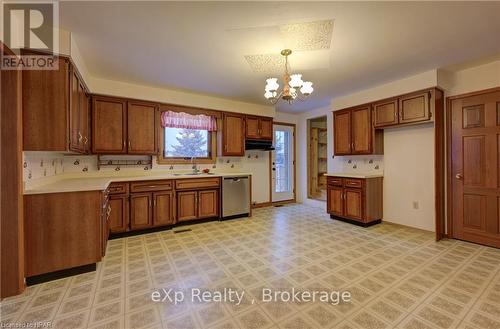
415,205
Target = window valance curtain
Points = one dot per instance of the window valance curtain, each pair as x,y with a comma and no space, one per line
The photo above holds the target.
171,119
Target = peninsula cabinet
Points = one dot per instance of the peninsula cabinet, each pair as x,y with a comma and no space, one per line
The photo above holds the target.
354,133
356,200
412,108
259,128
233,135
62,230
56,114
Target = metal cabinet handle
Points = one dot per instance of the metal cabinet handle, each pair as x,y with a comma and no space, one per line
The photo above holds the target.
459,176
85,140
129,145
80,137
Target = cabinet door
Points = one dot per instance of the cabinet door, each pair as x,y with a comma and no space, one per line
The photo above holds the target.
385,113
342,132
140,210
233,138
208,203
163,208
353,203
84,121
75,135
141,128
46,95
109,125
252,127
187,206
361,130
119,216
335,200
414,107
266,128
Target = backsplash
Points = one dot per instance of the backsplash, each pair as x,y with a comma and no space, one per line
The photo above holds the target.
360,163
38,165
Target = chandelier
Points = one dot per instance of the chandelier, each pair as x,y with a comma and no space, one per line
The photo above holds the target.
293,88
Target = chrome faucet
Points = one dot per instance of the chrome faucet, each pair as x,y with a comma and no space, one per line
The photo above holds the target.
194,166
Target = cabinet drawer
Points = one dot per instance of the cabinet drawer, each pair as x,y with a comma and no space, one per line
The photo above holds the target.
196,183
148,186
118,188
334,181
352,182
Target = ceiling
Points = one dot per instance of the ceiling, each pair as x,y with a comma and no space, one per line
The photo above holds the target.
208,47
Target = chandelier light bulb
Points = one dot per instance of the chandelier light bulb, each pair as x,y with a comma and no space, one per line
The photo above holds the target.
268,94
296,81
272,84
307,88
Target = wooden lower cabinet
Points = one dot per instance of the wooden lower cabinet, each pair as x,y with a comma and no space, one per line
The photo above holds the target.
192,205
62,230
186,206
119,216
141,205
355,199
335,201
208,203
163,208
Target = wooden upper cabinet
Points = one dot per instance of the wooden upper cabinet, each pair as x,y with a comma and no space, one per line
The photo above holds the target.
76,137
109,125
141,128
55,117
252,127
361,130
414,107
163,213
354,132
385,113
258,127
266,128
45,98
233,135
342,132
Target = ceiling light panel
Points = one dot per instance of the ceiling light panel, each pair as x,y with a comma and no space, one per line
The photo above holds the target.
315,35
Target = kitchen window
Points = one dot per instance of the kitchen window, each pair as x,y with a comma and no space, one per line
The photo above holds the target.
185,136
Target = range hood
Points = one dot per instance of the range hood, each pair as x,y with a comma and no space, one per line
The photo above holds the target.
259,145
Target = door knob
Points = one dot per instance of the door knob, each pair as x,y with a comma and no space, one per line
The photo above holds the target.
458,176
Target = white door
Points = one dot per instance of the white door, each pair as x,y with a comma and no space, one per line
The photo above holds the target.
282,163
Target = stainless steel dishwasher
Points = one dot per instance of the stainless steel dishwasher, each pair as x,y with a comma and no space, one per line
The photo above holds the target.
235,197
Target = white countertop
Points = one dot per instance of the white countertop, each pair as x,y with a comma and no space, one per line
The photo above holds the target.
355,175
91,182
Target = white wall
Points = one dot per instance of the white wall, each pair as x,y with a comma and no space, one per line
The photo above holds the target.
178,97
471,79
409,176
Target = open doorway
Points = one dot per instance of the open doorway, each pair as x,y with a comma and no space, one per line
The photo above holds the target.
317,158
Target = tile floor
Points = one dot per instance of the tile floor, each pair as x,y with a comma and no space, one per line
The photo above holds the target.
398,276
